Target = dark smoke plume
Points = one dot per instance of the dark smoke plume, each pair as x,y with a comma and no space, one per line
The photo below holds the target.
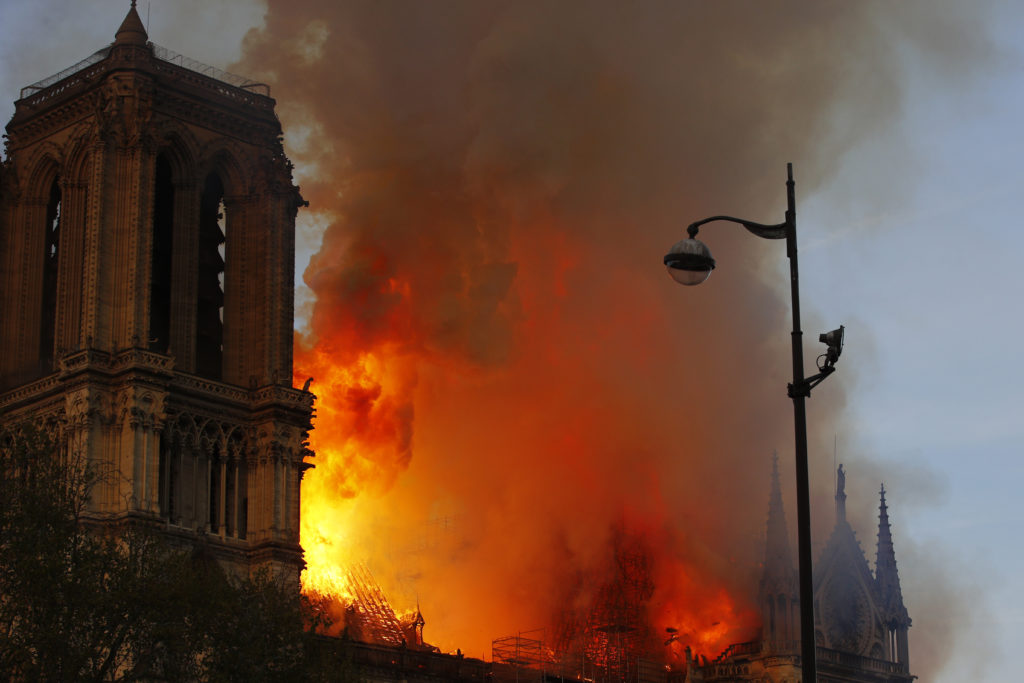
499,182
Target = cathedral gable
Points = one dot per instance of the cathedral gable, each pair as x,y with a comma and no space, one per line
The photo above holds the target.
847,612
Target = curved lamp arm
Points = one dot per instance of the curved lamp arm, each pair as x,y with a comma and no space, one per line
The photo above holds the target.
768,232
689,262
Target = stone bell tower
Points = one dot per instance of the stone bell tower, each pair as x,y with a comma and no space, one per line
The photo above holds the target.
147,233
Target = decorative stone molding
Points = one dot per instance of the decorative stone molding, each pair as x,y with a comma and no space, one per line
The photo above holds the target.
87,406
25,392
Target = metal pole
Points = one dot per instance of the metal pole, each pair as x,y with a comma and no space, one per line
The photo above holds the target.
798,393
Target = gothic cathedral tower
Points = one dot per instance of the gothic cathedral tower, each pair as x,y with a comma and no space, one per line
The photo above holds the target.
860,620
147,233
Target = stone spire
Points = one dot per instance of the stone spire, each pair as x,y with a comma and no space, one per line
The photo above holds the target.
840,495
778,560
132,31
779,586
886,575
890,597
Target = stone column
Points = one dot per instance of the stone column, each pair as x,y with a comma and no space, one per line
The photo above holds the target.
221,502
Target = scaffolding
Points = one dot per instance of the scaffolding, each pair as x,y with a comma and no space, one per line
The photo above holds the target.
521,649
370,617
527,658
609,639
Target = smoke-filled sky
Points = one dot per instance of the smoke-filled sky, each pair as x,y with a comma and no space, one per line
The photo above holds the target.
505,372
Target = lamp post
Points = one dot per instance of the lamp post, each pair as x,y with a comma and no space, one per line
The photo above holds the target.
689,262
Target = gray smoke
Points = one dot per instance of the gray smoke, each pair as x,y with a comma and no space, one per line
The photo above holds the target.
498,182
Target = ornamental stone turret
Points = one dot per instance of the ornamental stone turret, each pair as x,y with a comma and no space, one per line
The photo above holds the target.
896,618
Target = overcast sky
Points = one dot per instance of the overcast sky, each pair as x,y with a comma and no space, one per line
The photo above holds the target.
914,243
934,292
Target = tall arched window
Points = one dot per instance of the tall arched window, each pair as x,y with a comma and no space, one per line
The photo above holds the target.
783,613
50,258
210,312
160,284
215,497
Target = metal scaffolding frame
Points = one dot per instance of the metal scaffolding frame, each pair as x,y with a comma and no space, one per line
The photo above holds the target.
374,618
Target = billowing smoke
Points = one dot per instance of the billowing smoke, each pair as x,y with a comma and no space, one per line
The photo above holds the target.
505,373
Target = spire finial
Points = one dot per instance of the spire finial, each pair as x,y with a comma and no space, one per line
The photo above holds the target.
131,31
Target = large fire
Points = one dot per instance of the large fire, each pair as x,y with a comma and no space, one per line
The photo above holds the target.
506,380
355,427
526,470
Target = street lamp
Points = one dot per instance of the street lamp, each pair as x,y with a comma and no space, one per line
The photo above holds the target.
689,262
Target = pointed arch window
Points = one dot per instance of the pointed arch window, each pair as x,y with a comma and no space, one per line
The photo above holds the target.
782,631
210,304
51,255
160,271
215,496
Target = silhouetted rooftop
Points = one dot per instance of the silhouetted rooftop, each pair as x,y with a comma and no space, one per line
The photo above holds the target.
132,32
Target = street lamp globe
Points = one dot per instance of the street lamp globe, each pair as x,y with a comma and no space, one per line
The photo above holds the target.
689,262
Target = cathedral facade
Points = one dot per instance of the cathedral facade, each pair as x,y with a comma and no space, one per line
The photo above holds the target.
860,621
147,232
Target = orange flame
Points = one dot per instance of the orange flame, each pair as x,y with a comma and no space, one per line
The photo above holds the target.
527,458
361,442
503,371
